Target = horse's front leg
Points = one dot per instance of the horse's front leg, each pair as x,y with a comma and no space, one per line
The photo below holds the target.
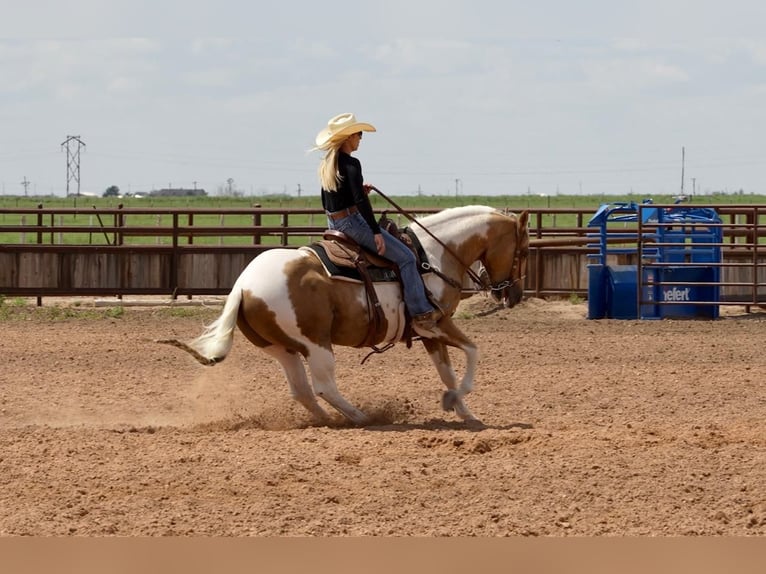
437,350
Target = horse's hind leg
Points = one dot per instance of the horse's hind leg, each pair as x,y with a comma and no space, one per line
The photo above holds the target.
300,389
322,365
453,398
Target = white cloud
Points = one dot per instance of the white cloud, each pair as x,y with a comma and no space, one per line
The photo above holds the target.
67,69
212,45
210,78
625,75
125,85
756,49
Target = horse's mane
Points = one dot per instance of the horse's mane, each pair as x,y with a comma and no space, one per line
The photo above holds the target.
452,213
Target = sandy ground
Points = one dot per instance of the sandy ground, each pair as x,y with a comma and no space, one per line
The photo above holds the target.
609,428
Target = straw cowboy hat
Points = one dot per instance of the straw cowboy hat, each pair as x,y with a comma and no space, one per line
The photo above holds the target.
339,127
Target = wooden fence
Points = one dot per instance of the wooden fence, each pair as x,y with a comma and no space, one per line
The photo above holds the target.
49,252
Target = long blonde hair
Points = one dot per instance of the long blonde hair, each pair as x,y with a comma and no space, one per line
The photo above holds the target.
329,177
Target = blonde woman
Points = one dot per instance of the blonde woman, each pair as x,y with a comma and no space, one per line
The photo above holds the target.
345,199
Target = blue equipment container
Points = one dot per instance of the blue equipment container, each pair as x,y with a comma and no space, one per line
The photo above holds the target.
685,235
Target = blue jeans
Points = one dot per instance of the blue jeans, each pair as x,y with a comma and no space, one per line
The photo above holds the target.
414,294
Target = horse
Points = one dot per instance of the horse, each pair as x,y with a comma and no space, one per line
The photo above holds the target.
287,304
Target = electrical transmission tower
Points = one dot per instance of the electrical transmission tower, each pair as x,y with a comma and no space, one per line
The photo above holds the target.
25,183
73,145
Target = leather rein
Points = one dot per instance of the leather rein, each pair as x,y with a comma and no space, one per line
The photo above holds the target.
471,273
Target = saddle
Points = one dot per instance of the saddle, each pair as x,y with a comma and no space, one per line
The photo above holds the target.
408,237
344,257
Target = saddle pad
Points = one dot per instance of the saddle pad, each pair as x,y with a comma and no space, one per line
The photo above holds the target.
377,274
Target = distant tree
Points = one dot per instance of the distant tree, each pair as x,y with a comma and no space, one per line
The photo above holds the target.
230,190
112,191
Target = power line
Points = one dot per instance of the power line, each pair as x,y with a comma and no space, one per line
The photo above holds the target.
73,161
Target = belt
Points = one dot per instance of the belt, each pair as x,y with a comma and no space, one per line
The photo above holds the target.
336,215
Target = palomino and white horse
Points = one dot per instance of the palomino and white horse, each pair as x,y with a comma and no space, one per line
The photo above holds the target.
287,304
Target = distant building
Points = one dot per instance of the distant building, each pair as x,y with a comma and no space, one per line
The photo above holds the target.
177,192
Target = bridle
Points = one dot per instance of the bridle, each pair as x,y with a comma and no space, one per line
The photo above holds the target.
483,285
515,264
502,285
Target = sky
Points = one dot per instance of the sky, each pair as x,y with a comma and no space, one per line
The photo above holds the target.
469,98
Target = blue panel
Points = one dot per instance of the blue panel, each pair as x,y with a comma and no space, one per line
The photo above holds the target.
689,292
622,292
596,291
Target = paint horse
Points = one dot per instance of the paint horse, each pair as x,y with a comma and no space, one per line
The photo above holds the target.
287,304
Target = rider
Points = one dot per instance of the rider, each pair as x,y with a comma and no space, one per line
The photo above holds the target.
345,199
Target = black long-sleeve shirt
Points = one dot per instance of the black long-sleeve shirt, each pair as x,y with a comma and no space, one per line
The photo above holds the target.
350,191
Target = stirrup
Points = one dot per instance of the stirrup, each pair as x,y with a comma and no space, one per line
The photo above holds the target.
426,322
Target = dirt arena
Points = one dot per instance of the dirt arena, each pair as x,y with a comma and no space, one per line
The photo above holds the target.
605,428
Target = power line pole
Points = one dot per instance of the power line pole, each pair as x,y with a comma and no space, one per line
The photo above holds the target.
25,183
683,160
73,145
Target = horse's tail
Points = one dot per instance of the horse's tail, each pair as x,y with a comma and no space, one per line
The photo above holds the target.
214,344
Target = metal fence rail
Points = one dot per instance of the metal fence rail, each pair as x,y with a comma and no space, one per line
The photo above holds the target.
123,251
740,273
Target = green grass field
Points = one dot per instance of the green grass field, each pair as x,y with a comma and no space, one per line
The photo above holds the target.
94,235
513,202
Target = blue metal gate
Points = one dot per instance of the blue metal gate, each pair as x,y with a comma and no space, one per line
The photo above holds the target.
667,262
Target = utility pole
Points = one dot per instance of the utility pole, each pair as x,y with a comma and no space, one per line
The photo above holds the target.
299,190
683,159
25,183
73,145
457,181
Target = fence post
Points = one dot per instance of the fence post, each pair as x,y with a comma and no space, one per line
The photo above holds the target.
190,238
257,225
40,240
40,224
119,222
755,222
174,258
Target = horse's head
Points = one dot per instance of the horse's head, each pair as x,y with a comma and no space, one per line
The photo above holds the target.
505,259
487,247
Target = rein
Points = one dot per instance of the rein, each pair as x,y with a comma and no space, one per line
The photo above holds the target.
483,286
471,273
498,287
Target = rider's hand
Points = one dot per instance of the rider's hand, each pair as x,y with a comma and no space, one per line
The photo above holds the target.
380,244
367,188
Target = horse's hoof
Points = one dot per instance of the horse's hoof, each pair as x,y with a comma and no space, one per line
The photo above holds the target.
449,400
